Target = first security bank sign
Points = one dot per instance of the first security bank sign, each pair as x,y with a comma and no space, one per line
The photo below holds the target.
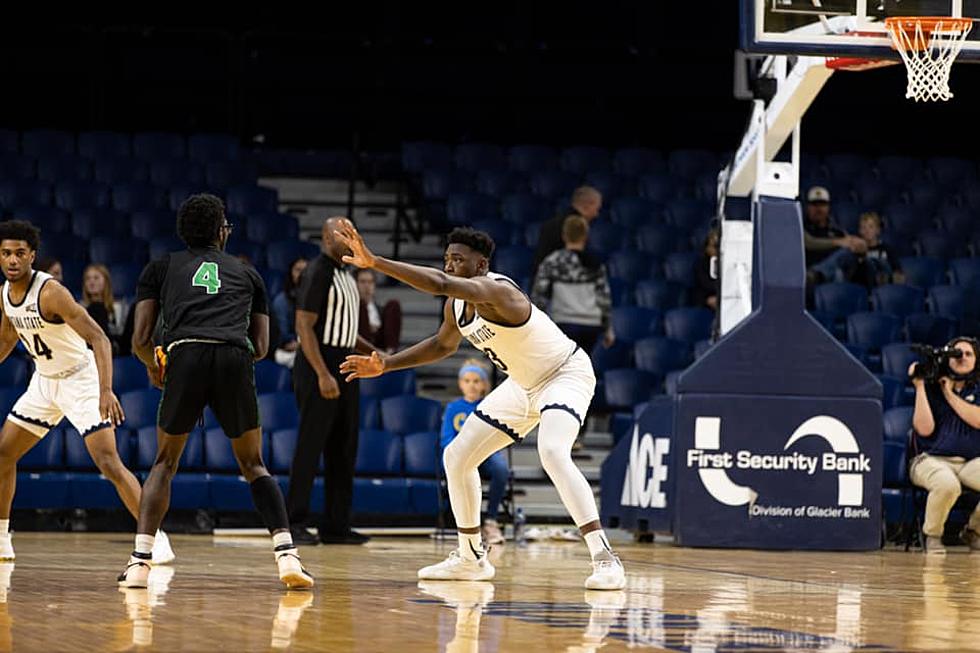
813,486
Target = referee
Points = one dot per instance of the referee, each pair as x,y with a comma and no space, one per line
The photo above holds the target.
327,306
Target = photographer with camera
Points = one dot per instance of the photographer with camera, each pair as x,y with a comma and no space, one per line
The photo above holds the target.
946,425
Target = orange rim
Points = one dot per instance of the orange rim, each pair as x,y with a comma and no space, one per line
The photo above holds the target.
928,25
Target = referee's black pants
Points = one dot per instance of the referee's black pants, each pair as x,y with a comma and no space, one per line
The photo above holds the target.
328,428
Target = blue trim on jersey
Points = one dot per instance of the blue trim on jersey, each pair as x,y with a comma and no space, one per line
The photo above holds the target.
565,408
500,426
98,427
32,420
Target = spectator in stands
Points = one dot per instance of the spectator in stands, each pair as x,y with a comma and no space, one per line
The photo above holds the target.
586,202
879,265
52,266
284,310
108,312
382,327
830,252
572,287
946,425
474,382
705,291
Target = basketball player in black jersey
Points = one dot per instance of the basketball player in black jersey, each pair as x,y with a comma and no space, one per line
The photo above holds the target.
216,325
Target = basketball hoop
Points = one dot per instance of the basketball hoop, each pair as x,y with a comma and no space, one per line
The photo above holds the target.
928,45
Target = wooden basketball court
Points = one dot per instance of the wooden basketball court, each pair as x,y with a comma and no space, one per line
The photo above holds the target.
223,595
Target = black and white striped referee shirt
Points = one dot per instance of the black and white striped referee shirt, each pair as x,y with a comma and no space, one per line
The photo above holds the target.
330,291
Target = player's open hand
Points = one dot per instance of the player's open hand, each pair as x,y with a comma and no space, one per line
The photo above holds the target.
363,367
360,255
110,408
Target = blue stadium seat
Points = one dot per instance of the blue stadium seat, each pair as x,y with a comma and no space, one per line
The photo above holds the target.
9,140
689,164
180,192
467,208
176,172
146,449
101,145
77,456
254,252
951,172
610,184
621,292
379,453
125,277
657,240
282,447
701,347
280,254
218,454
47,143
128,373
277,410
931,329
957,221
121,171
896,423
16,167
480,156
965,272
422,455
149,224
89,223
47,454
689,324
131,197
68,167
212,147
846,166
370,413
421,155
43,490
399,382
659,294
661,355
71,195
894,473
898,168
971,197
892,391
659,188
513,261
498,183
15,193
904,219
925,197
670,382
389,496
14,371
109,250
936,243
840,299
896,358
629,266
636,212
525,209
159,146
632,323
556,184
440,184
532,158
679,267
246,200
871,193
532,232
847,215
948,301
686,214
225,174
409,414
900,300
64,247
627,387
923,272
584,158
272,377
164,245
501,232
140,407
872,330
636,161
264,227
619,355
605,238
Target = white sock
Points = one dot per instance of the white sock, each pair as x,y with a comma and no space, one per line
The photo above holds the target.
144,544
4,526
282,540
470,546
597,542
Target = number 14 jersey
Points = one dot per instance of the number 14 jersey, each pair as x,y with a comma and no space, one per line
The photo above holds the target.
529,353
55,347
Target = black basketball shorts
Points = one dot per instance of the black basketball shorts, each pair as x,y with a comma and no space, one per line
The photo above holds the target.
203,374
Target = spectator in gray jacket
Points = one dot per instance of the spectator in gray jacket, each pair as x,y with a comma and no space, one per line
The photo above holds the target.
571,285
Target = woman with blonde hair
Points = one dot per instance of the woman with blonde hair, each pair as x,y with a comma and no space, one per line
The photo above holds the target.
108,311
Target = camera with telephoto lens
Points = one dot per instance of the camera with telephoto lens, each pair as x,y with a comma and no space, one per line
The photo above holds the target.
934,361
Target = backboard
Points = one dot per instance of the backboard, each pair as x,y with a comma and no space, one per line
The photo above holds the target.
841,28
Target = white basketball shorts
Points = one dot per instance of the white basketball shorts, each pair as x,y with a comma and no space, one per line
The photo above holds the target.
515,411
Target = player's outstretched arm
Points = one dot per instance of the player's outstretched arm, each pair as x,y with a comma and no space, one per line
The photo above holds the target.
8,338
56,301
478,290
434,348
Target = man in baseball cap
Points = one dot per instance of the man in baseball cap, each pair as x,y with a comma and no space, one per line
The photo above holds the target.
829,250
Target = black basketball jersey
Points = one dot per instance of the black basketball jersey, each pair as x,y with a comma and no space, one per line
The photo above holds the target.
204,293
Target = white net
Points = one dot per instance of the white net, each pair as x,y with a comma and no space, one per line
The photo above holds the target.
928,48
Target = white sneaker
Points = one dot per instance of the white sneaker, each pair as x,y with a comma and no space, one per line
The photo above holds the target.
291,571
6,548
135,575
162,552
607,573
457,568
934,545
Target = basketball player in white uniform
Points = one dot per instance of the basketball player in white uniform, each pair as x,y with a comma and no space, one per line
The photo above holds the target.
550,383
56,332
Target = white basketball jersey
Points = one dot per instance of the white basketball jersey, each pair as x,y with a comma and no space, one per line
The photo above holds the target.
529,353
55,348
